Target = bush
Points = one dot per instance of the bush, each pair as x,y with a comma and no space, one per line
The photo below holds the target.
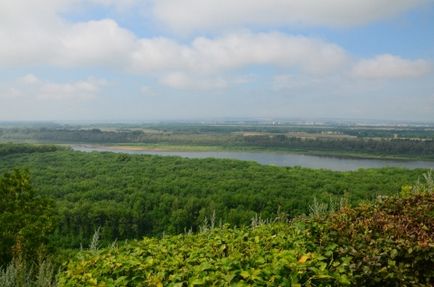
388,242
26,218
269,255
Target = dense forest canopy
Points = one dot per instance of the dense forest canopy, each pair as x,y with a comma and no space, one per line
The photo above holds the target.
129,196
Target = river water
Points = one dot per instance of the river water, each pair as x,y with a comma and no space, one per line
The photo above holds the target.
274,158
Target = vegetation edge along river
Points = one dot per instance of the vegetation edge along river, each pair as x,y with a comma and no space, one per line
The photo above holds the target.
401,143
210,148
261,156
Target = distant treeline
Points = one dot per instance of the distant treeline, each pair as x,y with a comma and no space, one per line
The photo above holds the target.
397,147
6,149
416,148
129,196
358,131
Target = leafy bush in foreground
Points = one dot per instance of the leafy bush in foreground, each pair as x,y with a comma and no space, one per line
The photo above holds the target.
389,243
26,217
269,255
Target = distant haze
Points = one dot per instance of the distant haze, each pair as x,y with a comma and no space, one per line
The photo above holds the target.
147,60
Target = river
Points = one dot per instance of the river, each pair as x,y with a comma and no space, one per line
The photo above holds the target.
273,158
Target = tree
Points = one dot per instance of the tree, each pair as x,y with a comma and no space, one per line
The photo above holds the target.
26,218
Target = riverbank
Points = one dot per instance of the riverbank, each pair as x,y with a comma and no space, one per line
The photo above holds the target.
128,147
283,159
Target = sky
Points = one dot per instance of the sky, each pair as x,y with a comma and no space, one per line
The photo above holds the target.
134,60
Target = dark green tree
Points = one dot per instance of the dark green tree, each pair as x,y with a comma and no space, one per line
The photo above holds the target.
26,218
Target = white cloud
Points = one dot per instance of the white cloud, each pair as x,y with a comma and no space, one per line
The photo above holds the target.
32,87
237,51
288,82
119,4
40,36
28,30
95,43
183,81
33,32
103,43
390,67
81,90
204,82
30,98
203,15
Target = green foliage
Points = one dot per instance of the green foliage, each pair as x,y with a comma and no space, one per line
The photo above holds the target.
390,243
130,196
268,255
26,218
387,243
7,149
385,141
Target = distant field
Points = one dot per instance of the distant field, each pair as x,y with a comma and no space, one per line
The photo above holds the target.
384,142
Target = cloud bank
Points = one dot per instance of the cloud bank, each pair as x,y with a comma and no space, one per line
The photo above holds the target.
31,87
238,51
391,67
51,40
203,15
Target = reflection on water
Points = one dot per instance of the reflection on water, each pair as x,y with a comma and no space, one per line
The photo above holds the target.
279,159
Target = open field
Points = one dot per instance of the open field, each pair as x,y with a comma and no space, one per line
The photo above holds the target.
384,142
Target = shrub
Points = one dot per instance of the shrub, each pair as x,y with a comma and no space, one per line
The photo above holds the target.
26,218
390,243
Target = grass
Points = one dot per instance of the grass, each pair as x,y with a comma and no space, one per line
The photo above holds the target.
19,273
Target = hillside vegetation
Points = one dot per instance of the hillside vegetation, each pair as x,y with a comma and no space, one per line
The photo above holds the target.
386,243
129,196
54,199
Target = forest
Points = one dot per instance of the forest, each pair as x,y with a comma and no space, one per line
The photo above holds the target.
130,196
56,200
70,195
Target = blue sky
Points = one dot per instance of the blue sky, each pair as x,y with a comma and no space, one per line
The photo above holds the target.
147,60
